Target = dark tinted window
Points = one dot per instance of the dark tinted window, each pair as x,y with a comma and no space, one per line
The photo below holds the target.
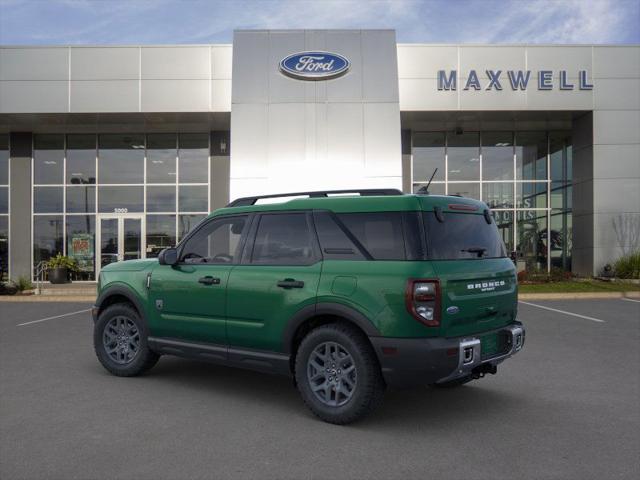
379,233
216,242
334,242
283,239
462,236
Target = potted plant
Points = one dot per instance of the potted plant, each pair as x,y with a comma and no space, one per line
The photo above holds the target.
59,268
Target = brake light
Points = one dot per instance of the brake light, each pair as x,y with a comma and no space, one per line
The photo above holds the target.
462,206
422,299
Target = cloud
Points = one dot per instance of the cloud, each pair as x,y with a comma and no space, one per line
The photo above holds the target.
213,21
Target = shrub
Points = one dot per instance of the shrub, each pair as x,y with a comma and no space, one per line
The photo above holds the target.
61,261
628,266
542,276
23,283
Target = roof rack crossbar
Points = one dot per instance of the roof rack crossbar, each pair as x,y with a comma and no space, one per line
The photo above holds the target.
247,201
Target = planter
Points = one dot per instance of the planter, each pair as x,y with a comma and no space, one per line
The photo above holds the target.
58,275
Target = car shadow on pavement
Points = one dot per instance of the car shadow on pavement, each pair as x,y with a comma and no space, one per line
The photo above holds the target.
401,409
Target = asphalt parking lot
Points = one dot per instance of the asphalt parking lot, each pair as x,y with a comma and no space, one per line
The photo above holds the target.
566,407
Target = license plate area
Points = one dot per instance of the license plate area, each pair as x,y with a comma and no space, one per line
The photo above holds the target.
492,344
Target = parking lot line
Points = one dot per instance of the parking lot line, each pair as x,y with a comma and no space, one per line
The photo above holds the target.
563,311
630,300
53,318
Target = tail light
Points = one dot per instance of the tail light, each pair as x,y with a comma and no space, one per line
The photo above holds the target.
423,301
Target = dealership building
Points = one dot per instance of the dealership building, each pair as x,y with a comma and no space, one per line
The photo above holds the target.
115,152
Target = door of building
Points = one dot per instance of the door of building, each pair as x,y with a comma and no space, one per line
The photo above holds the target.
120,237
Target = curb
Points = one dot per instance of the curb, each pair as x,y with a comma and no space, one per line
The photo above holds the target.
577,295
47,298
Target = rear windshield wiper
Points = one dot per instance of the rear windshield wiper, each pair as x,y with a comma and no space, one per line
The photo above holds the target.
479,250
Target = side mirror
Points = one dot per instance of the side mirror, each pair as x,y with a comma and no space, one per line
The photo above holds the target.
168,256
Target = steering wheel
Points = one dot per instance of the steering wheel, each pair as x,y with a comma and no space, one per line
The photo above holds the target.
192,255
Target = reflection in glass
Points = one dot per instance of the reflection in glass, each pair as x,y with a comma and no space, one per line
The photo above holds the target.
471,190
497,156
561,195
504,222
48,159
531,195
4,247
161,233
498,194
121,158
463,156
81,159
47,237
81,245
161,199
193,198
161,158
561,239
193,158
132,238
108,241
47,199
4,159
532,240
186,223
428,154
531,155
81,199
124,199
4,199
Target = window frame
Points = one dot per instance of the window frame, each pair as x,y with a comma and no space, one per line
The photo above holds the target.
241,246
247,255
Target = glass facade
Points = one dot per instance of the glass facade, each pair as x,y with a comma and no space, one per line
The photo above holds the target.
4,206
106,197
525,177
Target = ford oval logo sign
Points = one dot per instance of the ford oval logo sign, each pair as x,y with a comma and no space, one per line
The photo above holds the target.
314,65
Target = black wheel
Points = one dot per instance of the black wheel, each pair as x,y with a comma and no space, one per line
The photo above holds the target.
458,382
338,375
120,341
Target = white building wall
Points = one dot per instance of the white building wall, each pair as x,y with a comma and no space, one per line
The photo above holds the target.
293,135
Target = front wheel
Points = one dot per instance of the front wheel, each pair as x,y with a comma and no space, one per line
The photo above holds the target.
338,375
120,341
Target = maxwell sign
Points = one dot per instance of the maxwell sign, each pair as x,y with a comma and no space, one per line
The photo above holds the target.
314,65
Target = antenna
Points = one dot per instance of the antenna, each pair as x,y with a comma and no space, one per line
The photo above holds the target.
429,183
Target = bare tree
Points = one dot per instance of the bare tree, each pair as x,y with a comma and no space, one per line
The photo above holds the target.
627,229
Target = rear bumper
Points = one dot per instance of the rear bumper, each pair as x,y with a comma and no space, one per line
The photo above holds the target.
407,362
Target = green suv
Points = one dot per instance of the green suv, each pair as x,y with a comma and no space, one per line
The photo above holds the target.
346,292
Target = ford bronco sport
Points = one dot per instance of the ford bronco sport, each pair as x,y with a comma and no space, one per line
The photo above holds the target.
347,294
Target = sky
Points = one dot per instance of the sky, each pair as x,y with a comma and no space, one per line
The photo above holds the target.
121,22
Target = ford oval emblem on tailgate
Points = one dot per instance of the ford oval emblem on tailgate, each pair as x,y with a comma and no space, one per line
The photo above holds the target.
452,310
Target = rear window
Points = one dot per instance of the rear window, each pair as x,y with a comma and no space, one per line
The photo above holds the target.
462,236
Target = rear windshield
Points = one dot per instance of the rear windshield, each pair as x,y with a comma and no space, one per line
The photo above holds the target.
457,236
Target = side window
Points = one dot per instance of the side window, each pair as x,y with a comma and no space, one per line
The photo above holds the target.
379,233
334,242
283,239
216,242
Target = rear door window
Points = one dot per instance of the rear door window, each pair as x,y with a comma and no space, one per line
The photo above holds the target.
462,236
283,239
381,234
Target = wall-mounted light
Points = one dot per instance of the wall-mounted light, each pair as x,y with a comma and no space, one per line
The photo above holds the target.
223,146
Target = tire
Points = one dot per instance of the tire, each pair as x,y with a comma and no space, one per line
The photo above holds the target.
120,326
354,393
458,382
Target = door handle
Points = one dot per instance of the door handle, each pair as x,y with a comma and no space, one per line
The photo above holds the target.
209,280
290,283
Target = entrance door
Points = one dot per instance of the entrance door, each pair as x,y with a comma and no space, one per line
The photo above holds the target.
120,238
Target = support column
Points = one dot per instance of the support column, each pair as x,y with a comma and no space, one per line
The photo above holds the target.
220,169
20,153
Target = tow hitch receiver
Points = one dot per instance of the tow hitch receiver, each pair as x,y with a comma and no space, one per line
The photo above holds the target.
481,370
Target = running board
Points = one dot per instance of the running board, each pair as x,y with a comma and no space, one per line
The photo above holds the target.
259,360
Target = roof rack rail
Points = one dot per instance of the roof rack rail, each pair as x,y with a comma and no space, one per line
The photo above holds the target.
247,201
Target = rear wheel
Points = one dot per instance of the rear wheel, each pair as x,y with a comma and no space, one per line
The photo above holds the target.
120,341
338,375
